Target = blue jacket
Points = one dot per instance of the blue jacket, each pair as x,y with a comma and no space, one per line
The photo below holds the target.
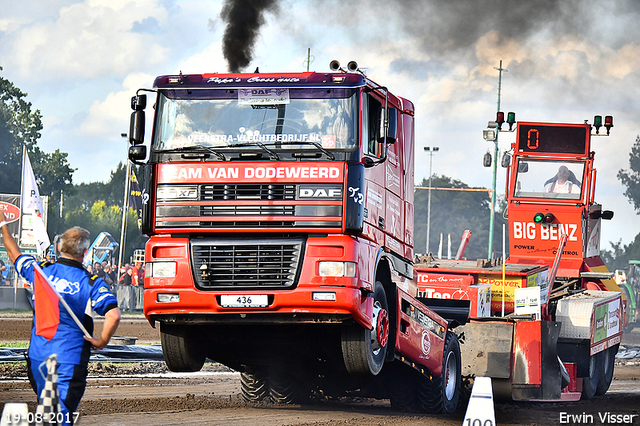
82,293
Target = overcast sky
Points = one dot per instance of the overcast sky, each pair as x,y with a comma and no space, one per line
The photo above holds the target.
81,61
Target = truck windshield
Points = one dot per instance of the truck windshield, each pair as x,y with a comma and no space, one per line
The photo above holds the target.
549,179
221,118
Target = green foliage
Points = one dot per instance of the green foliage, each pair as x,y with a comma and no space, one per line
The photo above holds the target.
453,212
620,255
104,218
18,126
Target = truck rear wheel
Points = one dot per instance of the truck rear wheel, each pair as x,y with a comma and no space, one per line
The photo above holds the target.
254,385
606,359
590,383
284,388
442,394
364,351
180,349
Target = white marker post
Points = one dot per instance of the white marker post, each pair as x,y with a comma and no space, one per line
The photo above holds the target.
480,411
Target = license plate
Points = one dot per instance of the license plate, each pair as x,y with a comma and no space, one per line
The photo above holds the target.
244,300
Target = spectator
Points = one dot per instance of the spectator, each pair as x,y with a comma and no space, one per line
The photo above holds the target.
4,271
109,275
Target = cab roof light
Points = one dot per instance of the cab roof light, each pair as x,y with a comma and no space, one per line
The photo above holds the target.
608,123
500,119
511,120
597,123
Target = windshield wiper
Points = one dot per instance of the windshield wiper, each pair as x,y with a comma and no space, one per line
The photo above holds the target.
206,148
272,154
316,144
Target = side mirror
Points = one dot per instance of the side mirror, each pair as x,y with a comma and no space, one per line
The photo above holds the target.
486,160
137,153
138,102
506,160
136,128
388,133
368,162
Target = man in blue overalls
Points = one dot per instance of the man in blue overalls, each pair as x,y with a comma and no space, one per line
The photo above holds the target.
82,293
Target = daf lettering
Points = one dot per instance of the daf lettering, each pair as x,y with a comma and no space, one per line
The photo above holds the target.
320,193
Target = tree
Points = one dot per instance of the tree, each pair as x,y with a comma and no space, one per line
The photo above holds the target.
19,127
453,212
619,255
631,179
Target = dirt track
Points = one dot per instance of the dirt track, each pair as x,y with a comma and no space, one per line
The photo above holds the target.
137,394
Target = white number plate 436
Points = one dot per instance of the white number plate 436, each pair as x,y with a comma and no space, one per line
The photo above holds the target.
244,300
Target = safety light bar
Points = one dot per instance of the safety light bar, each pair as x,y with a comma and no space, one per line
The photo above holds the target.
543,218
608,123
511,120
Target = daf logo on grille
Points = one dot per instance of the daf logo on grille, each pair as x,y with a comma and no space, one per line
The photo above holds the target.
320,193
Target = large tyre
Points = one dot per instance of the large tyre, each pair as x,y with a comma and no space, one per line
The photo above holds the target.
590,383
402,384
364,351
606,359
442,394
284,388
181,350
254,385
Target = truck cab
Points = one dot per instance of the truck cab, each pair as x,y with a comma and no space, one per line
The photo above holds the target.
280,217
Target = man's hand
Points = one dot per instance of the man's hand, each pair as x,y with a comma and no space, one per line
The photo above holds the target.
9,243
111,321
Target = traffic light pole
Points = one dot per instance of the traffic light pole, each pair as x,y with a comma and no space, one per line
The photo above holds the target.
495,172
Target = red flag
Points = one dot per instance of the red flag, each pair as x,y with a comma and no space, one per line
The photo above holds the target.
46,307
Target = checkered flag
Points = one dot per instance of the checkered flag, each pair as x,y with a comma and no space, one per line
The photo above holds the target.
49,401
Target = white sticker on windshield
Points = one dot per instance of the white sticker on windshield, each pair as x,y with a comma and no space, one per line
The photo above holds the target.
263,96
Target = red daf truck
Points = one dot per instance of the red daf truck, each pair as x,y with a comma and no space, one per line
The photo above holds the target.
556,316
280,216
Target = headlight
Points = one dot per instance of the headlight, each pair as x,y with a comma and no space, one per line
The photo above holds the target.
168,297
162,269
336,269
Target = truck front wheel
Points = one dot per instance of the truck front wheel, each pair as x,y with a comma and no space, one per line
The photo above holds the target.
180,349
441,395
364,351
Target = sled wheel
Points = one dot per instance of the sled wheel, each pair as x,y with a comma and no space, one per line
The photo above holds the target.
402,387
254,385
364,351
606,359
442,394
590,383
180,349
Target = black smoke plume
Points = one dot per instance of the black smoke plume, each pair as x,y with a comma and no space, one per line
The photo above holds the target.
244,19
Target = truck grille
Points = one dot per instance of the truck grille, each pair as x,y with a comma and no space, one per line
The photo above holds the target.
247,191
246,264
